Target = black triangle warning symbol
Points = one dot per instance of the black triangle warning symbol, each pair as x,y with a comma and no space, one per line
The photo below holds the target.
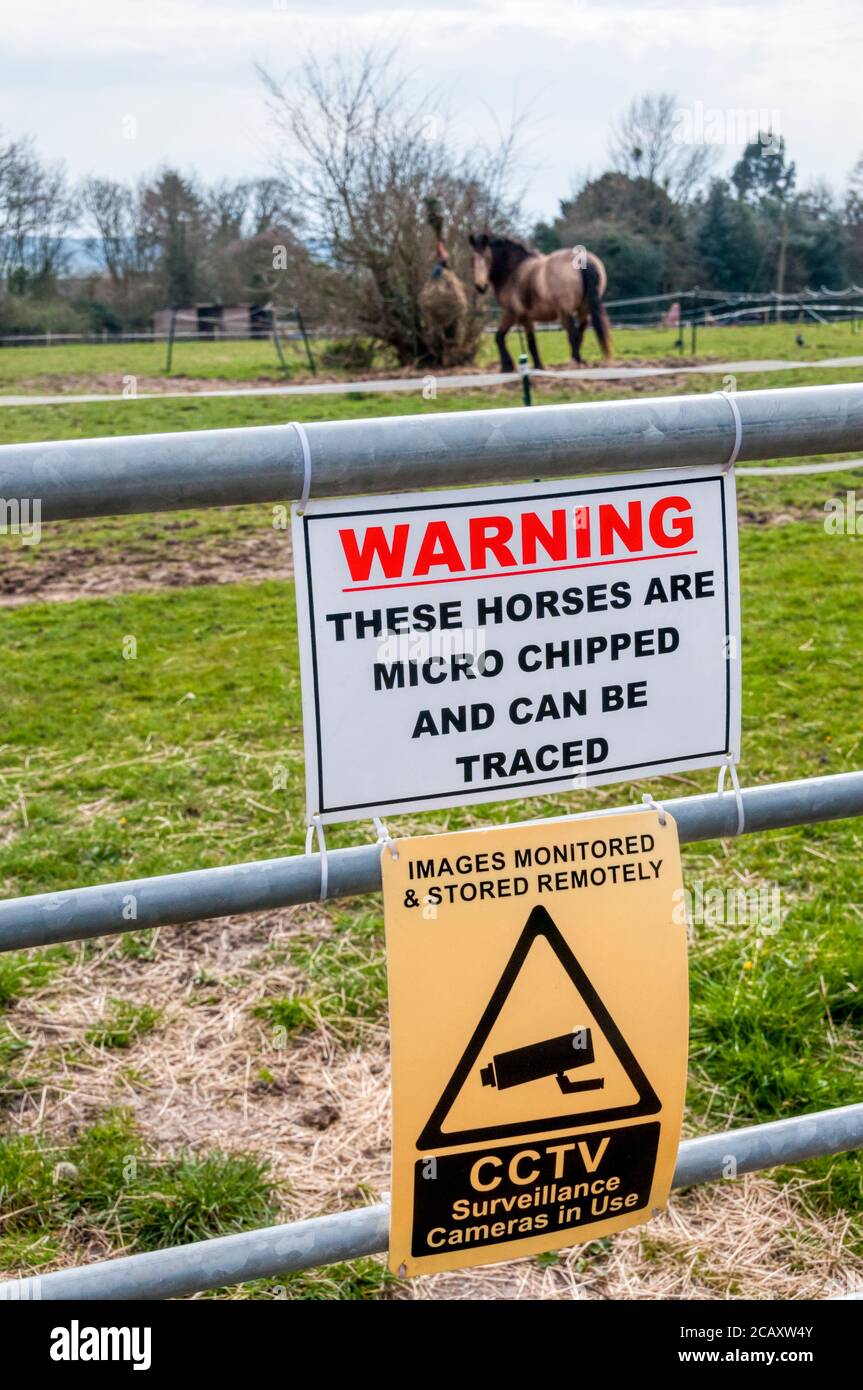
553,1057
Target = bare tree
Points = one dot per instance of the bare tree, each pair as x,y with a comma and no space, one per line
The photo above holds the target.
854,193
854,220
171,238
107,206
362,159
122,242
270,206
227,205
14,208
37,211
646,142
247,207
250,228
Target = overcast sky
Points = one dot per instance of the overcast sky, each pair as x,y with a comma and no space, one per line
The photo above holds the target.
71,75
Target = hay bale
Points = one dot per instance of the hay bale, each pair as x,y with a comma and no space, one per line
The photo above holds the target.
444,304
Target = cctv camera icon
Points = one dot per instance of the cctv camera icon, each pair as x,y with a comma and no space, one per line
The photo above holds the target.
552,1057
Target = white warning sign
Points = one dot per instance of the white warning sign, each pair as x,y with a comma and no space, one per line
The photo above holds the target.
489,643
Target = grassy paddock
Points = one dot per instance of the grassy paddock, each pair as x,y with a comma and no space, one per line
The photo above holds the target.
35,368
190,754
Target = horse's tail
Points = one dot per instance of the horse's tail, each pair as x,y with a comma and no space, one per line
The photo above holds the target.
598,316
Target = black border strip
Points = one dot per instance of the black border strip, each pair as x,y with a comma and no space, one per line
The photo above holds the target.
559,778
314,646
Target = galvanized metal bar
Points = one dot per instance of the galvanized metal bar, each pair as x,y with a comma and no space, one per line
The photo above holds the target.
163,472
106,909
212,1264
276,1250
756,1147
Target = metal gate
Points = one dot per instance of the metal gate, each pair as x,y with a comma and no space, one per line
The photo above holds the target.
149,473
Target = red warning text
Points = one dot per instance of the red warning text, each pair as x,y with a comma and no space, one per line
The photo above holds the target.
538,541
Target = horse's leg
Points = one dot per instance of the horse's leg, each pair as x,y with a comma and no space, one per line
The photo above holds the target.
507,319
532,347
575,333
583,321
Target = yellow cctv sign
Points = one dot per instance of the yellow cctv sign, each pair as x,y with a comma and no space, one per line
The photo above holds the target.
539,1011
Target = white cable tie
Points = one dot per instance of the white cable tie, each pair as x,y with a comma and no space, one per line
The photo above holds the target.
307,465
656,806
730,766
384,836
730,397
315,827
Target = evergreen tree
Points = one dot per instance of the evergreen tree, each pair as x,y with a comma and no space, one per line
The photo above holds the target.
174,212
762,172
727,241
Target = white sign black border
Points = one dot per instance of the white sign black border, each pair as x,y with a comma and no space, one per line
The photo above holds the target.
325,509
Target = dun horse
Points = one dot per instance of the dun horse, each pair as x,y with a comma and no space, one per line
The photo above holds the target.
566,286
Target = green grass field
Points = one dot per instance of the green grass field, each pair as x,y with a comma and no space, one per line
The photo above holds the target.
38,368
190,754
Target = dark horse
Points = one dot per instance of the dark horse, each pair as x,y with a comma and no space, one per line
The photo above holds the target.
566,287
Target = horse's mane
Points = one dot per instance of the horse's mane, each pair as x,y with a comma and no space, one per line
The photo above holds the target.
506,255
511,243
